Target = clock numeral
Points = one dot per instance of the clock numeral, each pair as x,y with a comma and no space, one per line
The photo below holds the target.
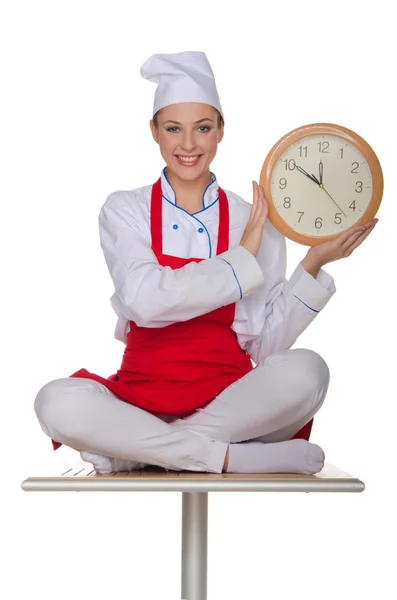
341,152
301,149
301,215
355,168
337,217
323,146
318,220
360,189
353,205
288,164
288,205
282,183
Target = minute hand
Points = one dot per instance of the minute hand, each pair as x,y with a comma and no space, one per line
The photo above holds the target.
322,186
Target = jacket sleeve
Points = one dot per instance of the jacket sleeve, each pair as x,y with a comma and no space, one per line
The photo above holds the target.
155,296
273,317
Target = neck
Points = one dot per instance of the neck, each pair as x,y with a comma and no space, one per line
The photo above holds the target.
189,194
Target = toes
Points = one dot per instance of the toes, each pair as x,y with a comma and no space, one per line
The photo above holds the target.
315,458
123,464
101,464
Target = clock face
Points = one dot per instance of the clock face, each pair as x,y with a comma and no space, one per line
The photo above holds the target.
328,209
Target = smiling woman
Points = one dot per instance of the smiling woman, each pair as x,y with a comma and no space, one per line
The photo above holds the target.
188,135
200,294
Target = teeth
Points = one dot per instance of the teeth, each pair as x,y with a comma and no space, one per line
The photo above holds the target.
190,159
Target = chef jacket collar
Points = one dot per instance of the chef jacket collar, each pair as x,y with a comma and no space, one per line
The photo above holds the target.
210,193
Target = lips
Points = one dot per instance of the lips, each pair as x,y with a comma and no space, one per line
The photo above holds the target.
188,163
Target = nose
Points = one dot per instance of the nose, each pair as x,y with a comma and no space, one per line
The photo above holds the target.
188,143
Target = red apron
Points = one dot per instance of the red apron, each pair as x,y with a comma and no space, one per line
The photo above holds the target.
176,369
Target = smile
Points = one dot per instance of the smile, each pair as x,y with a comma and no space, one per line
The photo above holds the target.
190,161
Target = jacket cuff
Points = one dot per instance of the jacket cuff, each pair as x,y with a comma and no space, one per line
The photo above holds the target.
314,292
246,268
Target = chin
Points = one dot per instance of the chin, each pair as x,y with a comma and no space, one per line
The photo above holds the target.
186,172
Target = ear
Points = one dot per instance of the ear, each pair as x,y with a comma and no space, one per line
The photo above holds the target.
221,133
154,131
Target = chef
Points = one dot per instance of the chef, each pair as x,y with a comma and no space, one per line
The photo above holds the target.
200,294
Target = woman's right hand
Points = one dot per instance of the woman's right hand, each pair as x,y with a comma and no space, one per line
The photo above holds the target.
252,236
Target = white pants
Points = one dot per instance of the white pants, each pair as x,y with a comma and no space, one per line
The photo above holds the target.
270,404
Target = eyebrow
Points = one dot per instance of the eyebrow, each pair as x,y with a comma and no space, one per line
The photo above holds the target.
179,123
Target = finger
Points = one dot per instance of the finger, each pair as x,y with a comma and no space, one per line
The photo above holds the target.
254,202
356,240
351,239
258,205
254,194
367,230
349,250
357,228
360,239
344,237
263,204
370,223
349,236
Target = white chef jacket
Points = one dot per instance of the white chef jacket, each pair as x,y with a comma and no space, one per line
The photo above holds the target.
271,311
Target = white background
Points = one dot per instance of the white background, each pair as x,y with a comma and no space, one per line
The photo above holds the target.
75,127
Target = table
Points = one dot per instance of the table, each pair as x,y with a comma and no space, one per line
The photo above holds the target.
80,477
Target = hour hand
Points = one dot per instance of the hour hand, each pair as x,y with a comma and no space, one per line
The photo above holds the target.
307,174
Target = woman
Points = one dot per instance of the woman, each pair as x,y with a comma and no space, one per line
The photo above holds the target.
186,396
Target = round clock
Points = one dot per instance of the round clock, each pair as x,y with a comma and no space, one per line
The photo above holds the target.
320,180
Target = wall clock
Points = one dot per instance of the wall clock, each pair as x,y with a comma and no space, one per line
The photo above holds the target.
319,180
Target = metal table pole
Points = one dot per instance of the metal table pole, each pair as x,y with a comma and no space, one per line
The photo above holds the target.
194,545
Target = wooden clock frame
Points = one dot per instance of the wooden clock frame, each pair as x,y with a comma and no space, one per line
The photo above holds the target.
316,129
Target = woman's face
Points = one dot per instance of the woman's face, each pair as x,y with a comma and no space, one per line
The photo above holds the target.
187,136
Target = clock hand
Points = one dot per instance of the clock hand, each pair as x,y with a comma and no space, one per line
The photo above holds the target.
320,169
313,178
316,180
332,199
307,174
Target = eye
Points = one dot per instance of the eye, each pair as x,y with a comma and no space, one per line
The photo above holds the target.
201,127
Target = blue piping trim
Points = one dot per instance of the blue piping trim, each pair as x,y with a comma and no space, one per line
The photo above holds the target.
313,309
241,293
202,200
190,215
203,224
196,213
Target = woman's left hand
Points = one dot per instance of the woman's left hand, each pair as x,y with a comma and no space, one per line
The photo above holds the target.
342,246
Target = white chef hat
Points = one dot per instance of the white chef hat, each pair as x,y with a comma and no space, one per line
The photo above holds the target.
181,77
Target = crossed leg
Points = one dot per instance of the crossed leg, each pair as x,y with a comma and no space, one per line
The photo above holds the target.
275,400
269,404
